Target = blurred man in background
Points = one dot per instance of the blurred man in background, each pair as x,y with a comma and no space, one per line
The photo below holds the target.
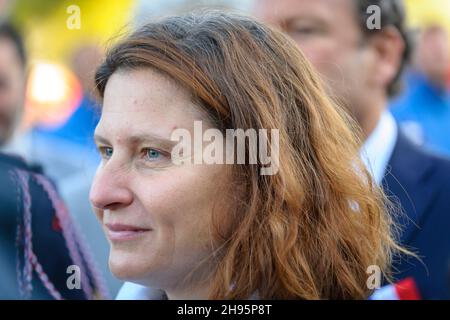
38,240
423,109
66,154
361,67
12,81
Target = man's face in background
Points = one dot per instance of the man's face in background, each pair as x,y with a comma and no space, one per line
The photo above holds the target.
433,54
12,88
329,34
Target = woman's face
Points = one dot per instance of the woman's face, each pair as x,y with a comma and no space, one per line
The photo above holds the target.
155,214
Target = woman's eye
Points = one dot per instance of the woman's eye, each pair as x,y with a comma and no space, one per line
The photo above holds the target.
106,152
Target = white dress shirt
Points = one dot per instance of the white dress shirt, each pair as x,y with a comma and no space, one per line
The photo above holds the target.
378,147
133,291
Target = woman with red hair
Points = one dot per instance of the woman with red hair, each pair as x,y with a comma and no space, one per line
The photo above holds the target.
196,230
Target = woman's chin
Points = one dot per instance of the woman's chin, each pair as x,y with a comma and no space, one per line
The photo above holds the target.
125,268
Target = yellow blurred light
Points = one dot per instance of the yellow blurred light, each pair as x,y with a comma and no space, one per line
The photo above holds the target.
52,40
53,95
422,13
48,84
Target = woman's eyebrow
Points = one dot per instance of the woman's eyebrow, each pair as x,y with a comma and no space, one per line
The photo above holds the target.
143,138
100,139
139,139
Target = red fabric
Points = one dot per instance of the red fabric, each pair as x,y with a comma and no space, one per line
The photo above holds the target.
407,290
56,226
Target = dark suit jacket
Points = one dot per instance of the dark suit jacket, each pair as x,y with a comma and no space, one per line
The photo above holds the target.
48,241
420,183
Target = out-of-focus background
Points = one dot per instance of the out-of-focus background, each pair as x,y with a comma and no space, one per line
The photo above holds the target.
65,40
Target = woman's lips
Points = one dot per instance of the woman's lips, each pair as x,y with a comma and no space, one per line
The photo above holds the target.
121,232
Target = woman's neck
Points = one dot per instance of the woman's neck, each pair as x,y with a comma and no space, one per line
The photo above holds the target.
188,293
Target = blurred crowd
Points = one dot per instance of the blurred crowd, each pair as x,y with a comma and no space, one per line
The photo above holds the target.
49,111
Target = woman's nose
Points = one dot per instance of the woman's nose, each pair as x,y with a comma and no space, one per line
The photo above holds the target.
110,190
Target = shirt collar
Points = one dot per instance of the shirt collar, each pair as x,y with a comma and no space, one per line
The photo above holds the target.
378,147
133,291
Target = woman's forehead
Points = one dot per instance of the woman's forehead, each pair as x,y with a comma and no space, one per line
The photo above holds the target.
145,98
143,87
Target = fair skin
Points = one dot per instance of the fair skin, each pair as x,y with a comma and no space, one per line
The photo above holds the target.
168,206
12,89
356,72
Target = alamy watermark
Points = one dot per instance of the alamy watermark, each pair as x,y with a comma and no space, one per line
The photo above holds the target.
237,146
373,22
374,279
74,279
73,22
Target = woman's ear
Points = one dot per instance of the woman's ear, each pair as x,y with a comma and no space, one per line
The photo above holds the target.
389,48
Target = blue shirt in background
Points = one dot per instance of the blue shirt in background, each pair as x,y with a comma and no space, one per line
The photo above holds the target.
423,111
